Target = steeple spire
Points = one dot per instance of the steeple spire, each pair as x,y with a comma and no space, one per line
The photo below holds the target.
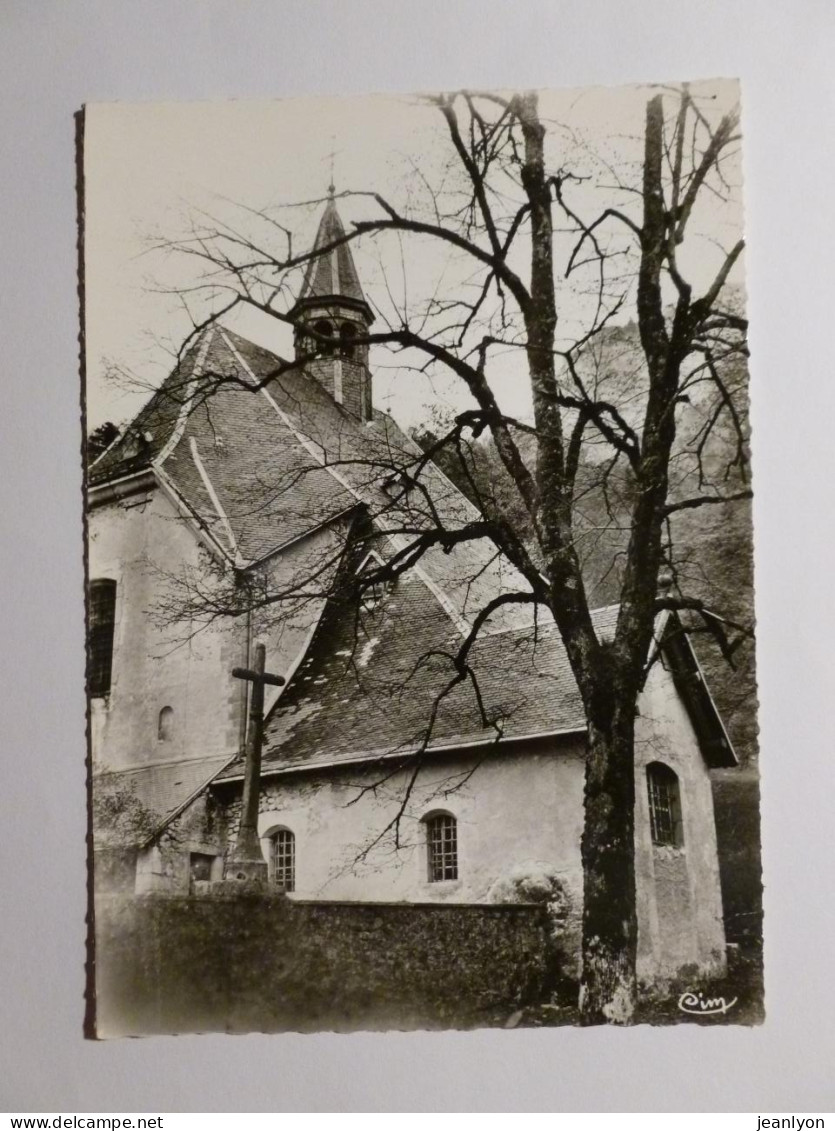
331,313
332,275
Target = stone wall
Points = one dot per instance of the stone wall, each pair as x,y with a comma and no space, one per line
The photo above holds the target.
219,962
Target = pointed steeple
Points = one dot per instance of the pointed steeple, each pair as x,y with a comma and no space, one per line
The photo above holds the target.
332,275
330,314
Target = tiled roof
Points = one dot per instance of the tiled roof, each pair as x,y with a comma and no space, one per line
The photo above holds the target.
333,274
148,433
260,469
367,688
234,459
363,456
163,789
267,486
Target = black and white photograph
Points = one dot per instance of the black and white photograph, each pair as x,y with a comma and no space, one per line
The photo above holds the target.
420,574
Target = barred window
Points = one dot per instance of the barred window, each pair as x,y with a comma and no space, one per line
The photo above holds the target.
102,622
283,860
664,805
442,842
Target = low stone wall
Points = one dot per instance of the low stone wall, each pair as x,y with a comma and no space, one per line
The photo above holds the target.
266,963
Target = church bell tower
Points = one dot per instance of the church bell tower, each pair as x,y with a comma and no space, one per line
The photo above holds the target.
330,315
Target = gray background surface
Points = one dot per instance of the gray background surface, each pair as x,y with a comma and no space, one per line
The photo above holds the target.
56,55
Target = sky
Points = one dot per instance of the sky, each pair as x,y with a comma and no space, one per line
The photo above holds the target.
153,169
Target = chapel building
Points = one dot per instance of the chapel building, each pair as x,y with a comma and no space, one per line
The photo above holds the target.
287,479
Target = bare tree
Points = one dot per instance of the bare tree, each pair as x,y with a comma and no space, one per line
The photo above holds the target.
520,242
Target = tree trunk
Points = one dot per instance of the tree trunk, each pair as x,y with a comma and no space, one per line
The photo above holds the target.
610,928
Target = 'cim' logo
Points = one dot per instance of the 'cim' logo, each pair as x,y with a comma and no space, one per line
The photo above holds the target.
704,1006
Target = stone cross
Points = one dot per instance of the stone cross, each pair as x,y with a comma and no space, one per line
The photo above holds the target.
247,861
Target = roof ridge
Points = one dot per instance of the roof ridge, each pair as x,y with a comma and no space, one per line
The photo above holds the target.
185,407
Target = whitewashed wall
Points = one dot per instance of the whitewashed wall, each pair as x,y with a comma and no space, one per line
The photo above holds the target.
154,667
678,893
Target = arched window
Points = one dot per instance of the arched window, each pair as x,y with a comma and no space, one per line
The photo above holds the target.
664,805
324,329
283,860
442,847
101,626
165,728
347,333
